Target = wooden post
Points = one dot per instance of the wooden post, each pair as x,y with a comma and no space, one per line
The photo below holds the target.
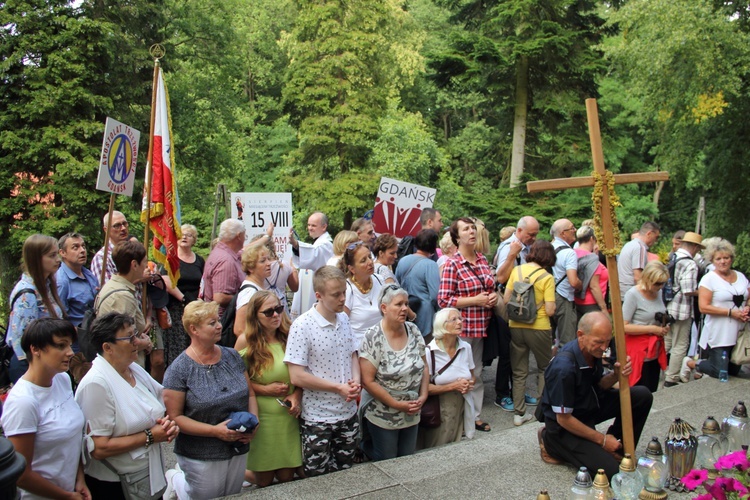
106,239
608,218
149,166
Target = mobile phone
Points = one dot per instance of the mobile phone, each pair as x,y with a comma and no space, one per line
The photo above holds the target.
296,236
285,404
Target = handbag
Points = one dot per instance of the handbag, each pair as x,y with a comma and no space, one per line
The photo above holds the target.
741,351
135,485
429,417
164,318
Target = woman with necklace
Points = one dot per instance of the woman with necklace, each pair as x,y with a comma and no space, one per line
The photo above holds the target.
646,324
392,363
183,292
276,451
256,262
125,414
452,379
722,298
42,420
202,387
468,284
362,289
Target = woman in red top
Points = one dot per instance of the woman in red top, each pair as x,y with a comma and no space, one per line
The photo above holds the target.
596,288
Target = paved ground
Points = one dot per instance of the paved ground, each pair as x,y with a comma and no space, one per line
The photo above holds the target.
503,463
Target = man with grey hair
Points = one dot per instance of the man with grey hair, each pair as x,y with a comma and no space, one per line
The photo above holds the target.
223,275
308,258
513,251
634,256
565,271
118,232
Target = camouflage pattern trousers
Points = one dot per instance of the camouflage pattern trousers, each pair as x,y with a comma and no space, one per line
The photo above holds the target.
328,447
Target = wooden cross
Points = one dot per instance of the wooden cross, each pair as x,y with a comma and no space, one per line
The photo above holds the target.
607,214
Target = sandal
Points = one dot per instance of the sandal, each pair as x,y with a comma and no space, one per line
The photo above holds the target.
482,426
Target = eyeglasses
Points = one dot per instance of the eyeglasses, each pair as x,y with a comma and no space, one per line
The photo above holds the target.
268,313
120,225
455,320
569,229
130,339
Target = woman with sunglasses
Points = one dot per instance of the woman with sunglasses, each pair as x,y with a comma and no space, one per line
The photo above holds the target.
722,298
125,414
393,368
362,289
276,450
646,324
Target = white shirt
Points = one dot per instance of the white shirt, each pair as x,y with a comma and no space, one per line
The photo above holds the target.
721,331
462,367
325,350
364,311
245,295
53,416
310,259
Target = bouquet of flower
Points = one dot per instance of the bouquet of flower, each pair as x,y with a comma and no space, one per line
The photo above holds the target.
733,484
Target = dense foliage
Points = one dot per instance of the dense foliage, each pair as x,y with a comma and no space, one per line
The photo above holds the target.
323,97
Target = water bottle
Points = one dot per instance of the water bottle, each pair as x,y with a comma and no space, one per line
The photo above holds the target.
724,367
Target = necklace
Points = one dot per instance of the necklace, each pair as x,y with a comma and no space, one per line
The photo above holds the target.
362,289
200,362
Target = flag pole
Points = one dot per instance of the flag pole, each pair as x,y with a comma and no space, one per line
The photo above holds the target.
157,52
106,239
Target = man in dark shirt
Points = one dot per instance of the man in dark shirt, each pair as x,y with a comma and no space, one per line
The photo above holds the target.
578,395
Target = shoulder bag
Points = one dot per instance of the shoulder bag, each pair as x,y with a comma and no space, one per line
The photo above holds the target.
430,415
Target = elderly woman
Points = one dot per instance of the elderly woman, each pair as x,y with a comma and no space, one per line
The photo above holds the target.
34,296
594,286
256,262
202,388
183,292
722,298
468,284
362,289
342,240
42,420
451,378
646,325
536,336
385,250
392,363
448,249
276,451
125,414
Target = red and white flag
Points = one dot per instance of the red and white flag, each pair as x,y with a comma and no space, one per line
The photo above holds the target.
162,211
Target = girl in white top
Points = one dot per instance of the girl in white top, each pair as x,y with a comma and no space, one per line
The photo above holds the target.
385,250
256,262
362,289
342,240
42,420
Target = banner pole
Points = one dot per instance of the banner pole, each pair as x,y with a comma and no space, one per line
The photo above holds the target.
106,239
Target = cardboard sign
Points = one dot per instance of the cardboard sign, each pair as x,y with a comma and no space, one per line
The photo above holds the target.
257,210
399,205
118,158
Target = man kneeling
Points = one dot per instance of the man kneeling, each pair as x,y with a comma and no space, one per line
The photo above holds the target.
578,395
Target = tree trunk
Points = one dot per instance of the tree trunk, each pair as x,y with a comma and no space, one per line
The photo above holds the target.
519,121
657,193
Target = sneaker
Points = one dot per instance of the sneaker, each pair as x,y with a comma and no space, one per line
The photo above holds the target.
522,419
505,403
667,383
170,493
531,401
685,370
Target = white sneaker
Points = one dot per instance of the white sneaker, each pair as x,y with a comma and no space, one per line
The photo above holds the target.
522,419
685,370
170,493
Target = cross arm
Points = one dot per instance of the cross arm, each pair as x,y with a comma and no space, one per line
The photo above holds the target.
588,181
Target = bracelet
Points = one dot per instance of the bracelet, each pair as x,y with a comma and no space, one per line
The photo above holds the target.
149,438
604,441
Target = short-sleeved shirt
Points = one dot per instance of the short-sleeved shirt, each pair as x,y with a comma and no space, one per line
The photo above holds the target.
634,255
325,350
364,311
501,255
222,273
602,272
53,416
460,279
544,291
212,392
76,292
420,277
385,272
398,372
27,307
280,273
244,296
462,367
685,281
111,270
571,386
638,310
118,295
566,260
720,330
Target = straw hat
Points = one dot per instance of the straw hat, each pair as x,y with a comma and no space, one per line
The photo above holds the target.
691,237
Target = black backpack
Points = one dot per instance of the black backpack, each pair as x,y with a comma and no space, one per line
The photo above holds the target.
84,339
405,247
228,338
6,350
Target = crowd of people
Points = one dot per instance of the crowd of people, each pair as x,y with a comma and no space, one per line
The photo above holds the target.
379,353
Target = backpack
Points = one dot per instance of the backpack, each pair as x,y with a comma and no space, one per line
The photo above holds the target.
522,306
228,338
405,247
84,340
6,350
668,292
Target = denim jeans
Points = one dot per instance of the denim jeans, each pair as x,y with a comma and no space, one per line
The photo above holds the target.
389,443
712,364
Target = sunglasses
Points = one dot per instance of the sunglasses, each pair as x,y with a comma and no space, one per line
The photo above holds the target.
268,313
660,283
355,245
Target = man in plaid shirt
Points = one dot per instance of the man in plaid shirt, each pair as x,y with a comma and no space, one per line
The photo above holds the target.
685,286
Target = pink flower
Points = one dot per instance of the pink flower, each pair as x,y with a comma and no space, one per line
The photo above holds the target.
737,459
723,485
716,491
694,479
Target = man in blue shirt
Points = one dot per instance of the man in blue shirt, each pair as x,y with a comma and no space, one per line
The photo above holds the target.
567,283
578,394
76,285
